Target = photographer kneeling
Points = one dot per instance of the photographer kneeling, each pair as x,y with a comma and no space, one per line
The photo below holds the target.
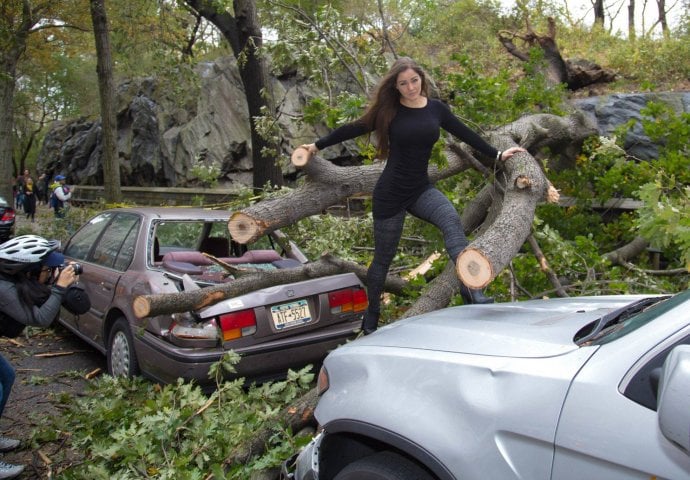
32,287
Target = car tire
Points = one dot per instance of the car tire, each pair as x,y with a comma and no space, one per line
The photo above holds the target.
383,466
122,359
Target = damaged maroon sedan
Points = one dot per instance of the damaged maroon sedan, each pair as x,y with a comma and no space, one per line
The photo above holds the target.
129,252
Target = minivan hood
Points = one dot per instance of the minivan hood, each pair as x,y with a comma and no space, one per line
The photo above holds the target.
529,329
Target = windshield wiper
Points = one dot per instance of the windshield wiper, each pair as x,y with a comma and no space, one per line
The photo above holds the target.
603,326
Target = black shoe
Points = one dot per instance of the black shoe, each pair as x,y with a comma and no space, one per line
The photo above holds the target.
370,322
474,296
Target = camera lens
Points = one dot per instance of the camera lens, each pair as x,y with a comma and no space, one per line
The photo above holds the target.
77,268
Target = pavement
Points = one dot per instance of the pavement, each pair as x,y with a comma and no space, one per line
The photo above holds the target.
51,365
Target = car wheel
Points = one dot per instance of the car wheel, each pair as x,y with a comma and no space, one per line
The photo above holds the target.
122,359
383,466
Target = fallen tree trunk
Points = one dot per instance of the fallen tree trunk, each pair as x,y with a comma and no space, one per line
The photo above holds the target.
576,73
327,184
298,415
168,303
506,209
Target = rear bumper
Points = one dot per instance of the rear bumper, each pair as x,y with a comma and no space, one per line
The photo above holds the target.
166,363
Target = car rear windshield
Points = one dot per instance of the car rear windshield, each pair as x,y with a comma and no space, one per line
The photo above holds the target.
628,319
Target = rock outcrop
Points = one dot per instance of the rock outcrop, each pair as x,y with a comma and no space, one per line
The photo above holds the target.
163,141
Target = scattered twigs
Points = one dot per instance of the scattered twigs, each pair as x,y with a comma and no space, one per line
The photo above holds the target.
544,266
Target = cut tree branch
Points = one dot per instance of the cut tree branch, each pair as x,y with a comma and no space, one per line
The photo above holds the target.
168,303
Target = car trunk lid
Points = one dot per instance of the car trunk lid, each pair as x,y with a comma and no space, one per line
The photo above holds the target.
291,309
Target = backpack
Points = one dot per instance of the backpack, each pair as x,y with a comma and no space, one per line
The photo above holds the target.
54,201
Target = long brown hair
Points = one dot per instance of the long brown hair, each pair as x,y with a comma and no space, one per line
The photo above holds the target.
386,101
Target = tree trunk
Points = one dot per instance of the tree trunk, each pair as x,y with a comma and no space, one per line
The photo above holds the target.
162,304
599,17
104,67
631,20
661,7
16,28
575,74
7,86
296,416
631,250
520,185
243,33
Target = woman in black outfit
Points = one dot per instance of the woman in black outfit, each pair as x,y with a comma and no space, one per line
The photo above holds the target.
407,124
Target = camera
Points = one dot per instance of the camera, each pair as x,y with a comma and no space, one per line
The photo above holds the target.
78,269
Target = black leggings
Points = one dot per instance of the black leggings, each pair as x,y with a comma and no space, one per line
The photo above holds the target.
431,206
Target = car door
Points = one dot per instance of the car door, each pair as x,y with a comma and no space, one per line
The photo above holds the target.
107,259
609,426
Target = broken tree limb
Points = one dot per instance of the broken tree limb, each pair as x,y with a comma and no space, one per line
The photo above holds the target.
168,303
575,73
544,266
491,251
295,417
332,186
327,184
622,255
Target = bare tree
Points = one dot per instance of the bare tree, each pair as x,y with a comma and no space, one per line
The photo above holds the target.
106,89
661,7
631,20
598,6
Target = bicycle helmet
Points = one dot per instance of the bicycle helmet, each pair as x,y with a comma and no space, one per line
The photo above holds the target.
23,251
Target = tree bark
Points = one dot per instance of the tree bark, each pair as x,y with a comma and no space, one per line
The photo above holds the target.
16,26
298,415
575,74
167,303
631,21
502,213
104,67
599,12
628,251
327,184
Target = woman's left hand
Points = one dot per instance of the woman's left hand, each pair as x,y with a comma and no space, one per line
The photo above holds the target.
67,276
510,152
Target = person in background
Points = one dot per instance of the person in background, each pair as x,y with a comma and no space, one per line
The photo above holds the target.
47,191
40,189
19,198
407,125
62,195
31,291
29,196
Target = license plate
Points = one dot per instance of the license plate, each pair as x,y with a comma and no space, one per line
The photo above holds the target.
291,314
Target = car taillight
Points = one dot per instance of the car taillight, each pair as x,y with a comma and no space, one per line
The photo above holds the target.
195,331
7,215
238,324
348,300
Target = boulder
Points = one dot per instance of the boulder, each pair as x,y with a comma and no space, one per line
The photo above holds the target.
162,139
609,112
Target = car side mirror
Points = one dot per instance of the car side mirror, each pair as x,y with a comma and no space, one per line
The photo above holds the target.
674,397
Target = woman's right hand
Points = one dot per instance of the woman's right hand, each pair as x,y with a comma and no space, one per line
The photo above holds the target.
66,277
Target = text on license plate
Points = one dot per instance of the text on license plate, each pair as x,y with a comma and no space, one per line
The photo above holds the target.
291,314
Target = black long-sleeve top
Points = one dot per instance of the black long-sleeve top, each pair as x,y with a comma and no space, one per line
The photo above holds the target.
412,135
